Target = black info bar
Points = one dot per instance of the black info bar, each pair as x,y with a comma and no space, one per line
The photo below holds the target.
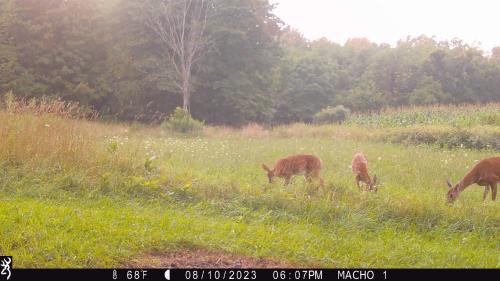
251,274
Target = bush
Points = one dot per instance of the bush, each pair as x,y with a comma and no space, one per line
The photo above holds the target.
330,114
491,119
182,122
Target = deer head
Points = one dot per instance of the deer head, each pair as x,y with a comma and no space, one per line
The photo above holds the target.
270,173
373,184
453,192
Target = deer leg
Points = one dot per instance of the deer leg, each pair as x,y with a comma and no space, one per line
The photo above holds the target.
316,175
486,190
321,181
494,192
287,181
308,177
357,182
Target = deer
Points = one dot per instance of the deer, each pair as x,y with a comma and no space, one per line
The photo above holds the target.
485,173
359,167
304,164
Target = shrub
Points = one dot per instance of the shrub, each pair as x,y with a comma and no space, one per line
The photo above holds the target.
182,122
414,137
491,119
330,114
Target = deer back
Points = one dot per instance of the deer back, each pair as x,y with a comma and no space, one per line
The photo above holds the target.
297,164
486,170
359,165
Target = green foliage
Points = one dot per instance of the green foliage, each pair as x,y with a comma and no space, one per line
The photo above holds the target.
104,55
306,86
182,122
237,73
329,114
455,116
52,50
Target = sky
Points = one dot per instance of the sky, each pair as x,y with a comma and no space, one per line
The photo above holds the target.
476,22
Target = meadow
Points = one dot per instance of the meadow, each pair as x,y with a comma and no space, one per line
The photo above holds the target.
83,193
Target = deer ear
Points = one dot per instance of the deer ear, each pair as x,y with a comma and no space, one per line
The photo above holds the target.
265,168
448,182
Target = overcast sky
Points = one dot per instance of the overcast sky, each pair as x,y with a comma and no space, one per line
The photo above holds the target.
387,21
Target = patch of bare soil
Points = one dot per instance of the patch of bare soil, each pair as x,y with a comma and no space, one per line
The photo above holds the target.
200,258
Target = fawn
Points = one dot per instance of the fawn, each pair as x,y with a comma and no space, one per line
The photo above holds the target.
307,165
360,168
485,173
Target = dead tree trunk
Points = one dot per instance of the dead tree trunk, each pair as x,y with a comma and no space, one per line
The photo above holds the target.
180,26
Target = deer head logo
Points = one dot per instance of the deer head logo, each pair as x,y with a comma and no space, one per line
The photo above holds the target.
5,264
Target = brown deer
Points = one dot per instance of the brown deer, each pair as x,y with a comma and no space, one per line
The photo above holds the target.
359,166
485,173
307,165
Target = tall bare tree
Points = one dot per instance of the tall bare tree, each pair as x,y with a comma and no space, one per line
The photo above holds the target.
180,26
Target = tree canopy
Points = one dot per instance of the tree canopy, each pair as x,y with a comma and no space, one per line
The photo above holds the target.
254,68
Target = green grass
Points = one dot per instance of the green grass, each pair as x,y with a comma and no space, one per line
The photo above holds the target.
211,193
75,193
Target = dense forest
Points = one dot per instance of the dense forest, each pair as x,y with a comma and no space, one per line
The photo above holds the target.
115,56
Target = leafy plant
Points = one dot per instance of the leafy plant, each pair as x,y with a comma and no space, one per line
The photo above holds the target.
182,122
330,114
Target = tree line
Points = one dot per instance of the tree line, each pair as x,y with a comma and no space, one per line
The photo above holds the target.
130,60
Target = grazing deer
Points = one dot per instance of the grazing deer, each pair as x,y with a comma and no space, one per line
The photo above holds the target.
307,165
485,173
359,166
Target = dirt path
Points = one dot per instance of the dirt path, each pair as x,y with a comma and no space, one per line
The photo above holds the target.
203,259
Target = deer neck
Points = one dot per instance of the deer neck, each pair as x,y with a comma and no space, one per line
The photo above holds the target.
365,176
469,179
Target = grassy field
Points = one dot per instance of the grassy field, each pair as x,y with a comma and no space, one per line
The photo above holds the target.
76,193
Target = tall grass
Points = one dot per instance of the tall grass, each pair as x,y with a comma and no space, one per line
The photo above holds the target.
61,141
40,133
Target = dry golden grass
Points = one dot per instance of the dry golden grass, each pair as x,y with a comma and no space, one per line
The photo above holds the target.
297,130
252,130
59,134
